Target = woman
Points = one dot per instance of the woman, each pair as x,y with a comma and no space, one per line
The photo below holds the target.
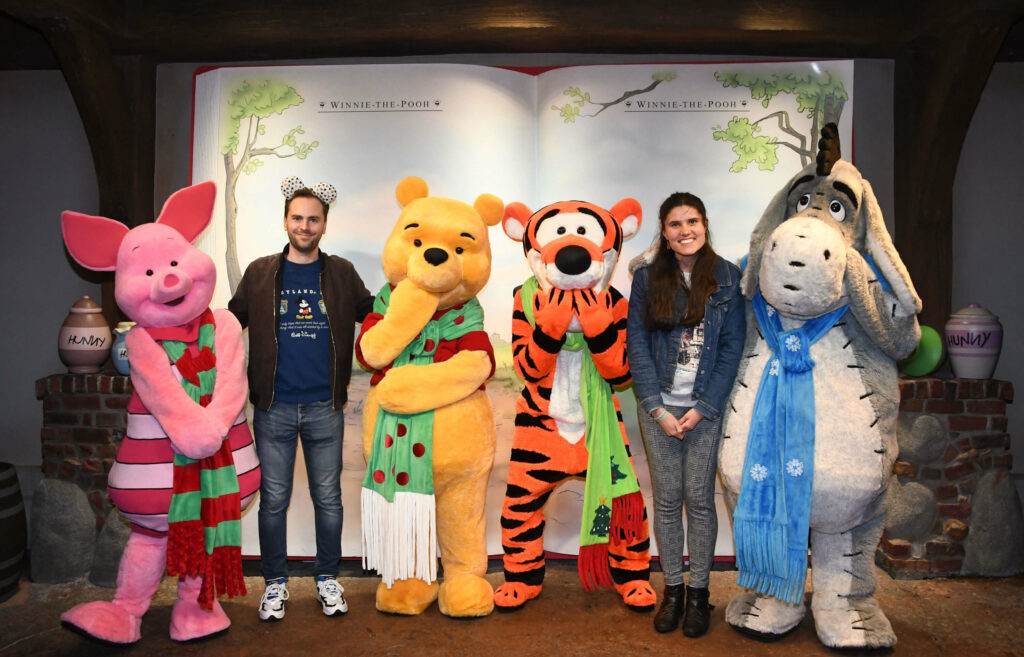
686,329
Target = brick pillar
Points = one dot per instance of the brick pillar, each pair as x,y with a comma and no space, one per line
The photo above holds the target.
966,438
83,423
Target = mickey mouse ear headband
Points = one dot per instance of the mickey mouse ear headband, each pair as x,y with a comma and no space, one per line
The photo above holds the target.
323,191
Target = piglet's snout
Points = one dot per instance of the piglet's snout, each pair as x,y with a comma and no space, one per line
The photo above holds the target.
170,286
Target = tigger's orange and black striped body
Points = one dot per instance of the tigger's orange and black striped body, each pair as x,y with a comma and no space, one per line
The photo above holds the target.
572,248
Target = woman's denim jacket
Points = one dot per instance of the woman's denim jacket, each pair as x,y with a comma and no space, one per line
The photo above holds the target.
653,354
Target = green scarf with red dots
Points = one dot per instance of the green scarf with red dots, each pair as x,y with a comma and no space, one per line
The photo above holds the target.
398,520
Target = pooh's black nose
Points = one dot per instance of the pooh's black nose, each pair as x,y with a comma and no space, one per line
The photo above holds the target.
435,256
572,260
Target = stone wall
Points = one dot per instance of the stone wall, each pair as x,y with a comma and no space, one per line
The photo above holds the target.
954,508
83,423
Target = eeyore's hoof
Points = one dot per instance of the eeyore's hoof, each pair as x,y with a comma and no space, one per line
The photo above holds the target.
761,617
853,624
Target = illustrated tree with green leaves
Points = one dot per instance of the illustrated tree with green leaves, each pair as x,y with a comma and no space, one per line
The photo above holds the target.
581,99
819,96
250,104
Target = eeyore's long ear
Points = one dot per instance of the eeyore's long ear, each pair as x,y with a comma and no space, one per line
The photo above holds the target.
880,246
776,212
881,295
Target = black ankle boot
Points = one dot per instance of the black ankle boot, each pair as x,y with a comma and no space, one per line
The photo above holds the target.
671,609
698,612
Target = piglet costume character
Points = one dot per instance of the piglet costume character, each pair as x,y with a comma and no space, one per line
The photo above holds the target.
187,465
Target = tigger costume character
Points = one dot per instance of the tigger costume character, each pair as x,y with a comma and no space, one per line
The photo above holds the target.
569,346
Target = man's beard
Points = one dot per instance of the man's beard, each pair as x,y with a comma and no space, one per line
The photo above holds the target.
314,245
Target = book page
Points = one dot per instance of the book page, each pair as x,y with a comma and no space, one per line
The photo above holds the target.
730,133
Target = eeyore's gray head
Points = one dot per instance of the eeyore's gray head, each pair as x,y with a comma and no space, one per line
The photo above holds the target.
809,253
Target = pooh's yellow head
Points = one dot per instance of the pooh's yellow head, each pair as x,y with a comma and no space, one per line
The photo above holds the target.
441,244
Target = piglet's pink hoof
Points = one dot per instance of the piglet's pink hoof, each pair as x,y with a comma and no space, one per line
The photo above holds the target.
105,621
189,621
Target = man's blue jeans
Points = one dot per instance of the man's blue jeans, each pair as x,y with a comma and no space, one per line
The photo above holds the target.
321,429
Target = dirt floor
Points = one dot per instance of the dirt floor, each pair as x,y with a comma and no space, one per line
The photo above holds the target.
942,617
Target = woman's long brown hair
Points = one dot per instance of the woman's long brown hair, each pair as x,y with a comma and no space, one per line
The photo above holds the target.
665,276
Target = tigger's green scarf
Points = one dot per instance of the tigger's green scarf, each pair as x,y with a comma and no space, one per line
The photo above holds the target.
399,526
610,475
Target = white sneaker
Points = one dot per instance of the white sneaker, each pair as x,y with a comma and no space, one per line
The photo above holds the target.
272,604
331,595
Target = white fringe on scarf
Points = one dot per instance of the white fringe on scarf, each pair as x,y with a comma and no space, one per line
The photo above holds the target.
400,537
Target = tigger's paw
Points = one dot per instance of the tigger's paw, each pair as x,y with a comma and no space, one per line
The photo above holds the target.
638,595
511,596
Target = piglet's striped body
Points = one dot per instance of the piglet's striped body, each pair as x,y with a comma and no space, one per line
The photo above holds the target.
139,484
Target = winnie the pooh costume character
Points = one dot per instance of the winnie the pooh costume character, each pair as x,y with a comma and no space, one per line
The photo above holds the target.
809,436
569,346
428,426
187,466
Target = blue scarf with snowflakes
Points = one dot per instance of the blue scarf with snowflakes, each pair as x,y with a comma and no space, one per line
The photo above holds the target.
770,525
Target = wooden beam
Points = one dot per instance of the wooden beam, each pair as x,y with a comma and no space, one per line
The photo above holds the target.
115,100
115,97
239,30
939,80
196,30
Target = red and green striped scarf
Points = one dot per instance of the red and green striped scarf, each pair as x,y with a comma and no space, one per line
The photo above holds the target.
204,537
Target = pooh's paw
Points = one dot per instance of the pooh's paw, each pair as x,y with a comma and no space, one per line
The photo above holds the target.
638,595
466,596
407,597
511,596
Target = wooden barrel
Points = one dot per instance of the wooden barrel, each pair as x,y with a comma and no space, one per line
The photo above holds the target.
13,532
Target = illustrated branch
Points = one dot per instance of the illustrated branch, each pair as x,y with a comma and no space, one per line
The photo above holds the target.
571,111
784,125
820,96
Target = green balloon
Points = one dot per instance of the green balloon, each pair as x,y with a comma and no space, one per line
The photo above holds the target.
927,357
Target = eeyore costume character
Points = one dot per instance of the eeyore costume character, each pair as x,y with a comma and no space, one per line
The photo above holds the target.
809,437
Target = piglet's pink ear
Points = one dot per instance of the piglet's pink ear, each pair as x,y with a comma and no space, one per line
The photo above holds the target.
189,210
92,241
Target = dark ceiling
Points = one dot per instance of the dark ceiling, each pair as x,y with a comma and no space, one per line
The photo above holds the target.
241,30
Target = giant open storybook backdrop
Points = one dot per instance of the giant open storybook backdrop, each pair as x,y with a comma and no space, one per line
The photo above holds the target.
732,133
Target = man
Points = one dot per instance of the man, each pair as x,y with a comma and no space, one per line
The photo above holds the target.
301,307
